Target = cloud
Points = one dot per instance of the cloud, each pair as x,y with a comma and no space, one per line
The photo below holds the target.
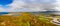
17,4
2,10
57,8
42,6
22,6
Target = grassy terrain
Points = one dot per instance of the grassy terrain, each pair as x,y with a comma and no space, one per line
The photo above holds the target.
26,19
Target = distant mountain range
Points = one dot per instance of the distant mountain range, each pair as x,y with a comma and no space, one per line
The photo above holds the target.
46,12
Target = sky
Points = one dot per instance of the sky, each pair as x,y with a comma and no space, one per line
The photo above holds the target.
29,5
5,2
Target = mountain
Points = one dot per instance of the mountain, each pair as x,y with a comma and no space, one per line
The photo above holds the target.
46,12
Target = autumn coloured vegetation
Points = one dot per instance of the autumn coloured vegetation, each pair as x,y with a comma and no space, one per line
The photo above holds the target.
26,19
